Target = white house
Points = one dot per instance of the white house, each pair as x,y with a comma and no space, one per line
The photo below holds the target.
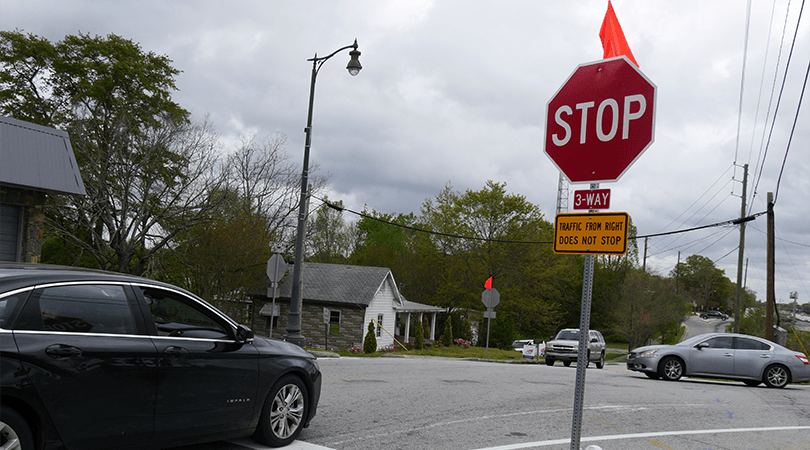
339,301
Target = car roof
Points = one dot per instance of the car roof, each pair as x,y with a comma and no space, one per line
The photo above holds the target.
19,275
701,337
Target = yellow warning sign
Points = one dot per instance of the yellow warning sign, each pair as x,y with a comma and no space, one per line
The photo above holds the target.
597,233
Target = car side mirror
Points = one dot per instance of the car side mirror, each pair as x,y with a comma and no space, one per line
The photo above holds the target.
702,345
594,340
243,334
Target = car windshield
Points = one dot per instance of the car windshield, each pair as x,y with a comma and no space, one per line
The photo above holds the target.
569,335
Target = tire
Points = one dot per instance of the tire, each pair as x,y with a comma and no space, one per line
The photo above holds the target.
671,369
752,383
15,434
601,362
549,361
776,376
284,413
566,363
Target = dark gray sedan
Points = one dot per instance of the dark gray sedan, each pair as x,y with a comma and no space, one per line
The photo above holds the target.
750,359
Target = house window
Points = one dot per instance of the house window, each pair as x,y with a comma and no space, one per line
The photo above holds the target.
379,324
334,322
271,322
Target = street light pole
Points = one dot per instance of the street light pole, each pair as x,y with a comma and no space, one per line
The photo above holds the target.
294,318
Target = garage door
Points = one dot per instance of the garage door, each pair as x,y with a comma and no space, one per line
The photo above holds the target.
10,232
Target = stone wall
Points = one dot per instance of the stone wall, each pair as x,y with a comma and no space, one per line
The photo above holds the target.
351,330
33,212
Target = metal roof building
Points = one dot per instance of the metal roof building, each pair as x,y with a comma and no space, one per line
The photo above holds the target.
37,157
35,161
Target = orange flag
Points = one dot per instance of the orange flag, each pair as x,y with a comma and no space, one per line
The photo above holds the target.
488,283
613,41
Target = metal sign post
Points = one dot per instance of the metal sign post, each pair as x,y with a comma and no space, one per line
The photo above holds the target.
582,363
491,298
275,271
584,341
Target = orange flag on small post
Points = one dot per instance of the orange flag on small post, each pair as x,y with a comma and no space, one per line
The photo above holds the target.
488,283
613,40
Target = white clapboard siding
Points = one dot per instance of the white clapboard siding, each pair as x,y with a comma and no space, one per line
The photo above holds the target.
382,303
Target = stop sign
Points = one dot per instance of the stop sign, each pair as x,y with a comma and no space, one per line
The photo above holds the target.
600,121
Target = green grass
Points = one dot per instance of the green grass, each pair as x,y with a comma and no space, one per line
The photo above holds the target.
472,352
446,352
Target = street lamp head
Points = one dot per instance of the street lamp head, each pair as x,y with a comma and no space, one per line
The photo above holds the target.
354,63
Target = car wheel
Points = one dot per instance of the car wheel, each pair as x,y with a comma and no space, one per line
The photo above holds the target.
671,369
14,431
601,362
654,376
776,376
751,383
549,361
284,413
566,363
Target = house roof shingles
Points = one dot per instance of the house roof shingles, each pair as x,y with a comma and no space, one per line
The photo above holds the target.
337,283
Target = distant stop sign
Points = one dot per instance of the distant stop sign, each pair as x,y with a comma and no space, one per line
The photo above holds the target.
600,121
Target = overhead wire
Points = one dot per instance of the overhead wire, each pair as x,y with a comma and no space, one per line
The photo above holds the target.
790,139
510,241
781,93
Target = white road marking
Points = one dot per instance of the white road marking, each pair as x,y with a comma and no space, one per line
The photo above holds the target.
295,445
614,437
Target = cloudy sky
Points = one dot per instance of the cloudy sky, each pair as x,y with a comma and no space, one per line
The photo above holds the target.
455,92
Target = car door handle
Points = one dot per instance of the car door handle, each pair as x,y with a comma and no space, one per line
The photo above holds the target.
728,354
765,355
175,351
60,351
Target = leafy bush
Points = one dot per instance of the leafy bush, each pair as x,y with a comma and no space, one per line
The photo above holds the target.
419,335
370,341
447,336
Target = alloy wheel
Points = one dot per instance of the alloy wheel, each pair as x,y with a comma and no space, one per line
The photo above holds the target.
287,411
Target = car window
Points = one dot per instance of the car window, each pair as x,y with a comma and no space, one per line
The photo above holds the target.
84,308
751,344
8,305
721,342
179,316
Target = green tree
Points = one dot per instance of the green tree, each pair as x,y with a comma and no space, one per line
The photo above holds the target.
501,332
222,258
506,235
329,235
647,306
447,335
370,341
419,335
147,170
706,284
380,239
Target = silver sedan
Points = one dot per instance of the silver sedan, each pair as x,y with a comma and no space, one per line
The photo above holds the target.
750,359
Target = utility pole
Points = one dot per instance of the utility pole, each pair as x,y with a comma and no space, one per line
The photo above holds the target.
770,296
741,251
644,263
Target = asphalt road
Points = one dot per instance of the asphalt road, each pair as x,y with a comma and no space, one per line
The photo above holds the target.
428,403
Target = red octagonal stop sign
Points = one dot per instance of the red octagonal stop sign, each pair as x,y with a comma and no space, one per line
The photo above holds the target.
600,121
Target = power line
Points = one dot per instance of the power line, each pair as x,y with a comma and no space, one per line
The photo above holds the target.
509,241
779,98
